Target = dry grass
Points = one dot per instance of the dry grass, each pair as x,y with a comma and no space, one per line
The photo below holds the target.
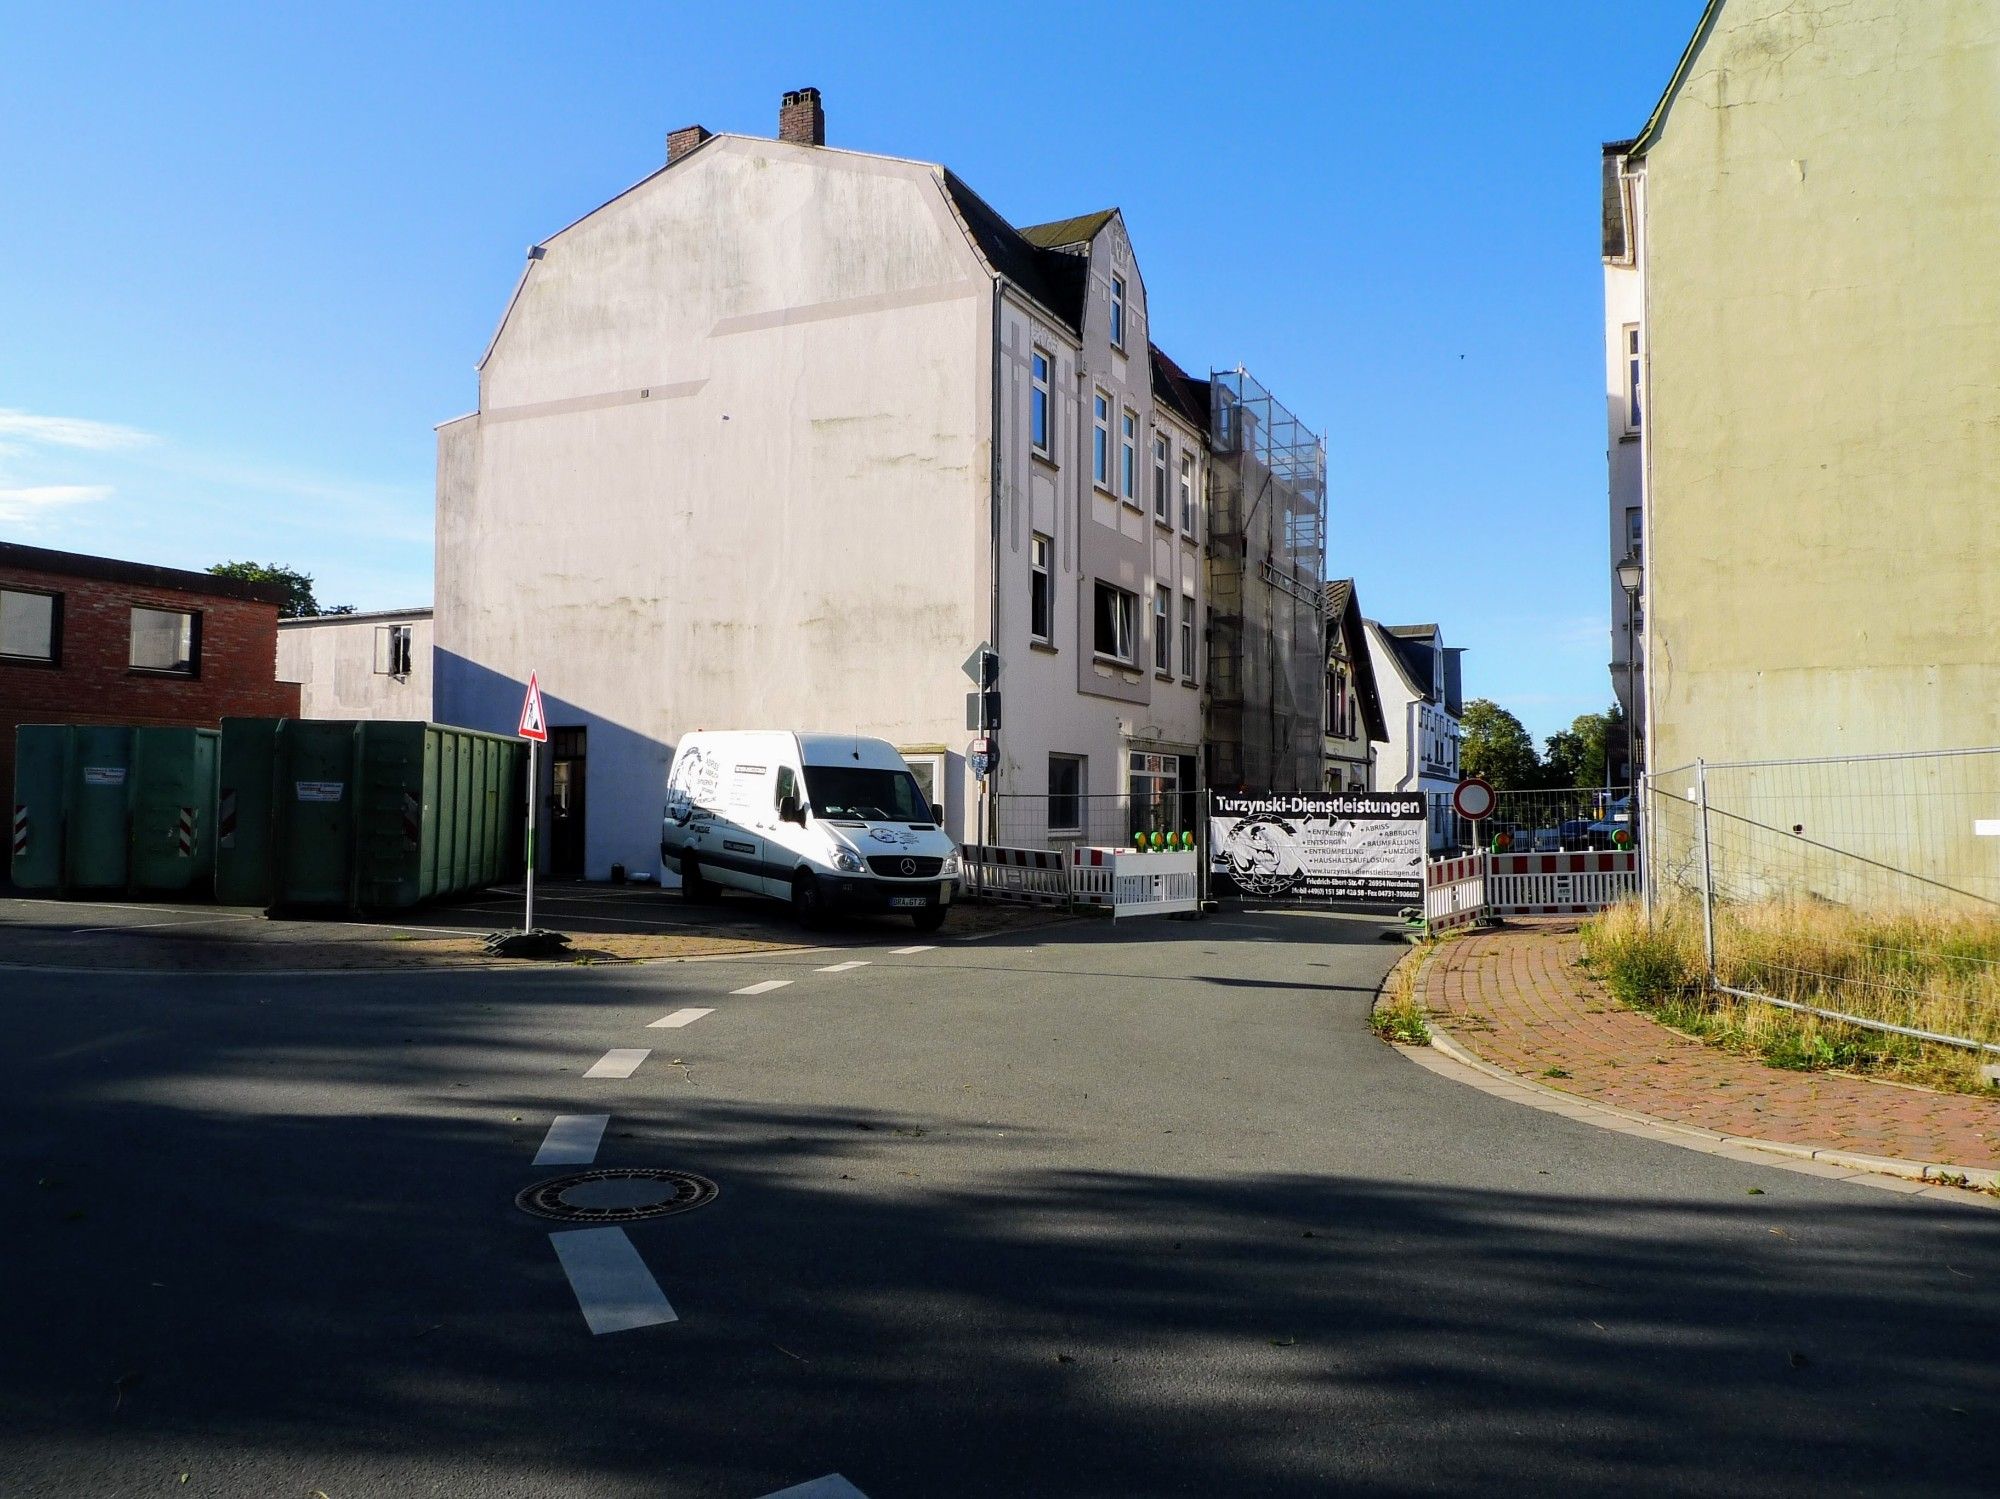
1936,970
1399,1013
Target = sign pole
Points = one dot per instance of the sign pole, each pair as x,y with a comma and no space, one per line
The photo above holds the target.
528,917
534,727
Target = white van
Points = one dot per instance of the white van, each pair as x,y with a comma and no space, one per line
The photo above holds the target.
827,821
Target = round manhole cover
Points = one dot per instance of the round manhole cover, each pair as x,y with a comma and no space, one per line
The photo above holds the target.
616,1196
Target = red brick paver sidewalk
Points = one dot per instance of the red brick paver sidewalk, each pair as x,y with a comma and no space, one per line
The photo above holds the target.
1518,998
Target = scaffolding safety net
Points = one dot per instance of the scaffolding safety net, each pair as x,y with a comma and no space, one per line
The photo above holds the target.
1267,632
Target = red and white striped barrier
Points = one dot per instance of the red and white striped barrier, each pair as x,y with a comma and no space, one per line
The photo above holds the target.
20,829
1571,884
1033,876
1455,891
225,817
184,833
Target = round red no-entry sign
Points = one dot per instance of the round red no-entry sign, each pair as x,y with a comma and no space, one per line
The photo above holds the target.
1474,799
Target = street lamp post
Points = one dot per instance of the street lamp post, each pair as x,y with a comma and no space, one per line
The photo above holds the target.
1631,576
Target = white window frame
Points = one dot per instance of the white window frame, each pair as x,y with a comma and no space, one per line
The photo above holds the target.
1635,375
1163,630
1128,454
1163,460
1041,581
395,650
1187,493
1124,622
1187,637
1040,368
1100,441
1117,311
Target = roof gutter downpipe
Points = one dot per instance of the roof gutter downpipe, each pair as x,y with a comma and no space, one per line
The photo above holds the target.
993,773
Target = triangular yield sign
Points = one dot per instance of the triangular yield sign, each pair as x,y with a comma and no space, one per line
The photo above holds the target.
534,723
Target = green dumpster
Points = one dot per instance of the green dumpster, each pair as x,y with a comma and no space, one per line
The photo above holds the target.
112,809
364,815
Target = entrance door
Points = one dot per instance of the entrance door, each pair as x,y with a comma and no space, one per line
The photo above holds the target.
566,763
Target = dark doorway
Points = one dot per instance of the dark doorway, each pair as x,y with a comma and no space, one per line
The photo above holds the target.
566,764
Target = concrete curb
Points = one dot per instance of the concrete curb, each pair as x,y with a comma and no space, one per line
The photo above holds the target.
1450,1058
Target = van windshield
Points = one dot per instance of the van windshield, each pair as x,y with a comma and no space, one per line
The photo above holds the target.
855,791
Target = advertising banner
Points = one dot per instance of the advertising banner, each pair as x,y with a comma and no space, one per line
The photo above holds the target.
1363,846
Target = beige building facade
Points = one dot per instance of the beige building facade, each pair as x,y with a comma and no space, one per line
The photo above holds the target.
1818,243
373,665
784,435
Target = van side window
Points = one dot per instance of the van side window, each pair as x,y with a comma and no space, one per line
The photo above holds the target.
788,785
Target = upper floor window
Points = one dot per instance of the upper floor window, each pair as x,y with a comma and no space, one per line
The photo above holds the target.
1039,589
1161,460
393,650
1633,373
1039,418
1187,636
1163,629
1635,533
1100,439
1128,456
30,626
1187,493
165,640
1113,617
1118,312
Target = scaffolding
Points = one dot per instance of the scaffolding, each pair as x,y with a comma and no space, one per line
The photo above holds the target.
1266,589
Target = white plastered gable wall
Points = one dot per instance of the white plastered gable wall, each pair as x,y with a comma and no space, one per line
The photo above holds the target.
730,469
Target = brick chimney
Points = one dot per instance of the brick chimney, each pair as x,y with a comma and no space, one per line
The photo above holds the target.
800,118
684,140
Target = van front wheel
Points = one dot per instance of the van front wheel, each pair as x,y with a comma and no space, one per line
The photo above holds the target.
931,919
808,903
695,890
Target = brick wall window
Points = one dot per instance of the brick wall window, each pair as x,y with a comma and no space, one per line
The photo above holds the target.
166,640
30,626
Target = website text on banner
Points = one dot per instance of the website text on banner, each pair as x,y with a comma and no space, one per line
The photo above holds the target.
1362,846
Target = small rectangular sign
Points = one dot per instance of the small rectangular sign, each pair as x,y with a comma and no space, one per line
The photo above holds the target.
104,775
319,791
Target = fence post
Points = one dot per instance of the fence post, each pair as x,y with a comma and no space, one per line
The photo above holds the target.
1707,872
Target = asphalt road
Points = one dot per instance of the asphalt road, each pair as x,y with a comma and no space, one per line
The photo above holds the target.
1086,1211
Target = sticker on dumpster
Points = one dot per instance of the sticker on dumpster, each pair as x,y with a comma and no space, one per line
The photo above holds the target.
104,775
320,791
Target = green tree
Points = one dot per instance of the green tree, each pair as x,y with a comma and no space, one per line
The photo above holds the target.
1496,747
1578,755
299,601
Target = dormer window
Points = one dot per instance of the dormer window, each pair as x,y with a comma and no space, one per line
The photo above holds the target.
1118,312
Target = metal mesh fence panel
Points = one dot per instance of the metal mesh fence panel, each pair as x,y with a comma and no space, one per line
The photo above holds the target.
1858,889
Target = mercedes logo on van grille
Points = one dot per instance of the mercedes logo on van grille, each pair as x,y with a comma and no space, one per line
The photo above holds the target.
909,866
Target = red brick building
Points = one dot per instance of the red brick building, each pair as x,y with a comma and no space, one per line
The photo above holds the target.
94,640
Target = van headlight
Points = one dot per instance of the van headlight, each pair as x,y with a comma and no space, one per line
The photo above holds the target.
951,868
849,860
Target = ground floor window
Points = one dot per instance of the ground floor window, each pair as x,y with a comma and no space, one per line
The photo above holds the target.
1066,793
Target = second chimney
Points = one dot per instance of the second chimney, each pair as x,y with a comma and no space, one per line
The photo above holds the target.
684,140
800,118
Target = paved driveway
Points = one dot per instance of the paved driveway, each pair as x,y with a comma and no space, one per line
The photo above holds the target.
1090,1211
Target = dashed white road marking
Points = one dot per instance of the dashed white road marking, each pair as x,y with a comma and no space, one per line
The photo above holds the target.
620,1061
833,1486
572,1140
764,988
678,1019
843,967
612,1284
904,952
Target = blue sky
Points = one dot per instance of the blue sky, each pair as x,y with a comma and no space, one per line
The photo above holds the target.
253,252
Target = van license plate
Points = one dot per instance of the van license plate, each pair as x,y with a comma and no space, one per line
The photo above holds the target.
902,901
